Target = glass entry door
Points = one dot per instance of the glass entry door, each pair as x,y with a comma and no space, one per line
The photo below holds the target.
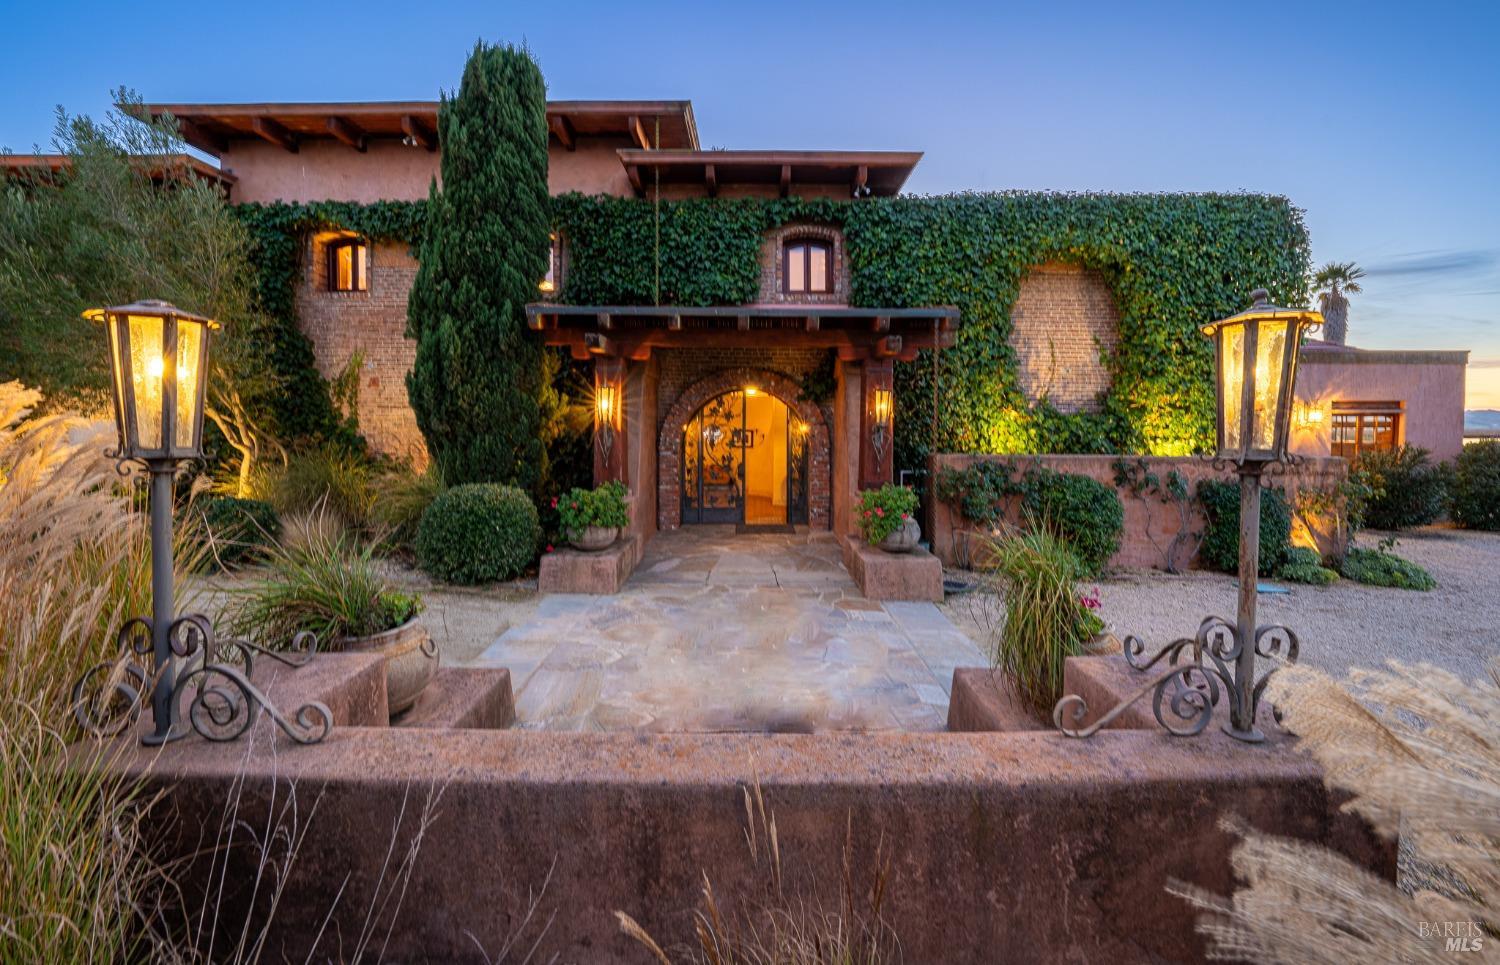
744,461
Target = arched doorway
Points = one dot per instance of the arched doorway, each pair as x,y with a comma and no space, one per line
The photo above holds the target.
744,460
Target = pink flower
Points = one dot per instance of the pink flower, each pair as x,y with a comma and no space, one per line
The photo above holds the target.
906,515
549,545
554,502
867,514
575,505
879,512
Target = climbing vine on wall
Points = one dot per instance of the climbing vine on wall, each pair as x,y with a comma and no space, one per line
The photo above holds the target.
302,407
1172,261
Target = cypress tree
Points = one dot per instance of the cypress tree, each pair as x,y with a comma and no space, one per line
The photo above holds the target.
477,378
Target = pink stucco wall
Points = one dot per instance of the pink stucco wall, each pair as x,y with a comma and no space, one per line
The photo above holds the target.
1430,385
327,170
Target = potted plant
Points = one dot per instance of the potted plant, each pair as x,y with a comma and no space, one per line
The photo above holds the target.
328,585
887,518
592,519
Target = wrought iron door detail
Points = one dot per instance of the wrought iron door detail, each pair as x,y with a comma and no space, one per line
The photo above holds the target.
713,462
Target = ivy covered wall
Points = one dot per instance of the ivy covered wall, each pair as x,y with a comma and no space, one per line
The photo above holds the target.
1172,261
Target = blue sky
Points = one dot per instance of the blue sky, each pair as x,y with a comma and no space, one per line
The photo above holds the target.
1381,120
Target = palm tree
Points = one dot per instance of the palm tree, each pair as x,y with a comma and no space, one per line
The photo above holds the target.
1333,281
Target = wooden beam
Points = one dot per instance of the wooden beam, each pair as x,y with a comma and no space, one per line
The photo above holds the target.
674,323
536,322
599,344
786,179
199,136
273,131
347,131
637,132
419,132
742,323
604,321
861,178
888,346
711,178
634,173
881,324
814,323
562,129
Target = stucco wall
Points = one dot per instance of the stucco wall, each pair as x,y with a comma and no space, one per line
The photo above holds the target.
325,170
1150,525
1430,384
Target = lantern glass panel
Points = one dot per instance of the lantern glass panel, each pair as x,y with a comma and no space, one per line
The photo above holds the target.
146,371
1270,356
1232,377
115,363
189,372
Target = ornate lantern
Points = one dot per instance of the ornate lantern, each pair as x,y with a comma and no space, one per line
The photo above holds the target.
1255,372
159,357
1255,366
158,406
880,420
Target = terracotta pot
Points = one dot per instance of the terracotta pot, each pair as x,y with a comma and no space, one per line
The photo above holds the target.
1102,644
595,538
411,658
903,539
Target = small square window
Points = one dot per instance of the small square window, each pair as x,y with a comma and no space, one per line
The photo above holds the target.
349,265
806,267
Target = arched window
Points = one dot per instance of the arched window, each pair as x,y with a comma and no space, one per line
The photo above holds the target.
807,267
349,265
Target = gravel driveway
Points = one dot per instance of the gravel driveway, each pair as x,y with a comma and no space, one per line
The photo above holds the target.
1456,626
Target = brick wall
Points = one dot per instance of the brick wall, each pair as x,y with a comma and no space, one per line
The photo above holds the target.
690,377
374,322
1063,318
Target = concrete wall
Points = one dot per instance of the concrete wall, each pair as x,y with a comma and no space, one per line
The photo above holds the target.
1149,524
340,324
1063,319
1429,384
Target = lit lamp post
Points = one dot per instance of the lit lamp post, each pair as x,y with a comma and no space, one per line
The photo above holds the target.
159,360
1255,370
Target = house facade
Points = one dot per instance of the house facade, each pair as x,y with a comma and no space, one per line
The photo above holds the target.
703,406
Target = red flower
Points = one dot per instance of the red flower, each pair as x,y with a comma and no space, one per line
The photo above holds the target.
549,545
575,505
906,515
554,502
867,514
879,511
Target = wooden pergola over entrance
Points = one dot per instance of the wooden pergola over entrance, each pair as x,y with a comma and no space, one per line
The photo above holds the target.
870,338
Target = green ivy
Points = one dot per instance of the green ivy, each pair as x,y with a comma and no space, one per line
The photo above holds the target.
1173,262
303,408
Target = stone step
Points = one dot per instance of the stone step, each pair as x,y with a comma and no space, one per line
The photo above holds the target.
464,698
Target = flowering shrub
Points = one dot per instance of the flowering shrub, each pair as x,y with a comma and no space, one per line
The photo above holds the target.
579,509
883,510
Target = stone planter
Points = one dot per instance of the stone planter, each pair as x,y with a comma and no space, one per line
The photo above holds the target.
904,539
411,659
595,538
1103,644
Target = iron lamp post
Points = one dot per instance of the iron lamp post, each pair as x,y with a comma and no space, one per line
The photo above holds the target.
158,357
1255,371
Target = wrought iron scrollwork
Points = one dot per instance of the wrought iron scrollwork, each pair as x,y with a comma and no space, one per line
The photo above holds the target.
1199,674
108,697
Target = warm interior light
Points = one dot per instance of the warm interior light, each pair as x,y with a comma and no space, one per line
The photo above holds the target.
802,428
751,390
882,407
548,283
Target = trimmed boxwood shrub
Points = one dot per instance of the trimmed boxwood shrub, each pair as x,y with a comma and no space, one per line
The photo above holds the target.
237,531
1476,486
1304,565
1380,568
478,533
1083,511
1221,539
1409,490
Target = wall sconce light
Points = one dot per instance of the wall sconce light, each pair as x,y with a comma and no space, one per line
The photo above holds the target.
606,416
880,421
1309,415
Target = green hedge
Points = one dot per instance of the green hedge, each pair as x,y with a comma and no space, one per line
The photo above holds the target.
1408,489
1081,510
1378,567
478,533
1476,486
1221,539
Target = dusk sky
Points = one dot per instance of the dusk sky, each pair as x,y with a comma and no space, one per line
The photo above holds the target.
1380,120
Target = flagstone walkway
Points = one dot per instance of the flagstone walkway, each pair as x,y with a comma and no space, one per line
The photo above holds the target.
722,632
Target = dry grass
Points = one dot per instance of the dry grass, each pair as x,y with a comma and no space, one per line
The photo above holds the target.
782,925
1419,749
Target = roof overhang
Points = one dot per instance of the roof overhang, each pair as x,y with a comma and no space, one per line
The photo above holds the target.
158,166
210,127
632,331
862,172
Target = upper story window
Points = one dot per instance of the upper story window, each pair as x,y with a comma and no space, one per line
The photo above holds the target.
549,282
349,265
807,267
